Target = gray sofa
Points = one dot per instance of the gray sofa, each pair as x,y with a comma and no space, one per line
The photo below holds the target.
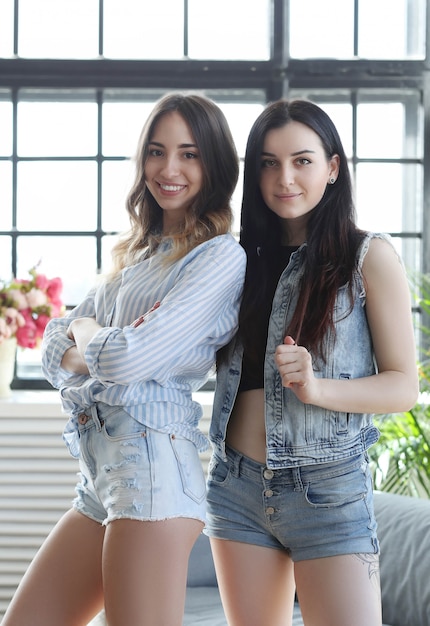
404,533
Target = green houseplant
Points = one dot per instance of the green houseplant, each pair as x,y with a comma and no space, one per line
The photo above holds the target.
401,458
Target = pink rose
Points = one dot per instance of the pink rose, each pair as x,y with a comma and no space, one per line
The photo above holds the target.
54,289
41,322
41,282
19,298
36,298
27,335
14,319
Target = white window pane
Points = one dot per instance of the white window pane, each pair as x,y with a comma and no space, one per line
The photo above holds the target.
410,250
117,178
5,195
58,29
143,30
57,195
318,29
122,125
5,128
390,129
387,197
5,258
240,117
341,114
108,243
391,29
6,28
57,128
380,130
71,258
229,29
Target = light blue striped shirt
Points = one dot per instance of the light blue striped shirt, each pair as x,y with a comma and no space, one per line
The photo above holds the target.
152,370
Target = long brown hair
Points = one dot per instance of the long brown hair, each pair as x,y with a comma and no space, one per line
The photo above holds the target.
210,214
332,236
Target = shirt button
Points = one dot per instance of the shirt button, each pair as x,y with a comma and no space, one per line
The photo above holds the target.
270,510
268,493
268,473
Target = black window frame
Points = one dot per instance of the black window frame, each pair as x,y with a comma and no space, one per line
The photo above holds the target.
277,77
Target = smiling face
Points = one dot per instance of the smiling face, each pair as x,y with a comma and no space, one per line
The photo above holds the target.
173,170
294,174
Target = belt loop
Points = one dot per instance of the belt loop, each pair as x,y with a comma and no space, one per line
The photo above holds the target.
297,477
97,421
237,460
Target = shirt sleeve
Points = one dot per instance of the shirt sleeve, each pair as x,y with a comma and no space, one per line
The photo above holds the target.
56,342
195,318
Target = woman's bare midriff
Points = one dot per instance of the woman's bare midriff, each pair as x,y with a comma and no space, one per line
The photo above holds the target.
246,430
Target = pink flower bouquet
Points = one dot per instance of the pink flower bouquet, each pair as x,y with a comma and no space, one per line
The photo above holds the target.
26,306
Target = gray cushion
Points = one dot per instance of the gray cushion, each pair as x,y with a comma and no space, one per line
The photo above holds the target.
404,535
201,570
203,608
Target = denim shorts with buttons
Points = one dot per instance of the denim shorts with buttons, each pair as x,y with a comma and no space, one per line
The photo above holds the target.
129,471
310,512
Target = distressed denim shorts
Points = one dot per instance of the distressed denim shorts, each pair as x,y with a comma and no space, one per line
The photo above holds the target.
311,512
129,471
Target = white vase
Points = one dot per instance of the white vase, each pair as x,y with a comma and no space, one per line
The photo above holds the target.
7,366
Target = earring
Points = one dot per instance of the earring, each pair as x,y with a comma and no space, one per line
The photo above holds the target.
332,180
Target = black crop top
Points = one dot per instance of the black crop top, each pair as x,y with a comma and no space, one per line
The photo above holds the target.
253,373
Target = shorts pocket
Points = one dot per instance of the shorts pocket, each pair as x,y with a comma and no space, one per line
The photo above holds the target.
339,489
218,471
120,425
190,468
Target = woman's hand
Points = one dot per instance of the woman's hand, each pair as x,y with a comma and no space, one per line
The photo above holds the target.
294,364
81,330
73,362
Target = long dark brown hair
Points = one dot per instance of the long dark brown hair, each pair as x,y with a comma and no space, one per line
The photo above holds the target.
332,235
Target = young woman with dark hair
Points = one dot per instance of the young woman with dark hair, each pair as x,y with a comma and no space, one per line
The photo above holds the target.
325,340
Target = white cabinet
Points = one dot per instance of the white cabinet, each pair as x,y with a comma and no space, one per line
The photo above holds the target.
37,480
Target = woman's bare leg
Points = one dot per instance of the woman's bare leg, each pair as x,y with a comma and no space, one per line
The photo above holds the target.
145,568
340,590
63,584
256,583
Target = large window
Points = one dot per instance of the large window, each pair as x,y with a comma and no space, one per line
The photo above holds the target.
78,78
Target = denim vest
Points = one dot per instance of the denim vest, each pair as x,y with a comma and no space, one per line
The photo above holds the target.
296,433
